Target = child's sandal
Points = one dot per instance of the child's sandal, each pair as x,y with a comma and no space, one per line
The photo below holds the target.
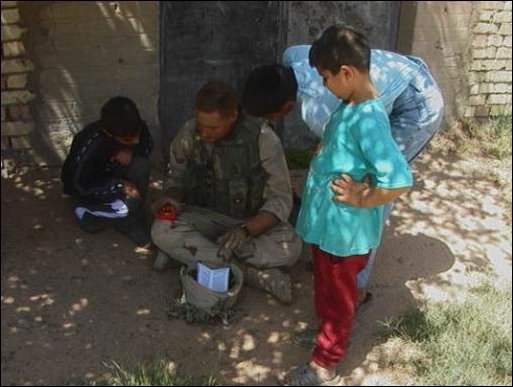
306,376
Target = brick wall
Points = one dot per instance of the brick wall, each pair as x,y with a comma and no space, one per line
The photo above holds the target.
490,60
17,119
85,52
467,45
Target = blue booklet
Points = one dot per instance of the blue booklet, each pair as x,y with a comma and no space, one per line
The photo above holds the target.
214,279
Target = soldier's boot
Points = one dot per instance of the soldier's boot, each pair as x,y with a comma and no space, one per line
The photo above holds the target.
273,281
162,262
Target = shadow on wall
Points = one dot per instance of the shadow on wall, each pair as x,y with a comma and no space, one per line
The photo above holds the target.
84,54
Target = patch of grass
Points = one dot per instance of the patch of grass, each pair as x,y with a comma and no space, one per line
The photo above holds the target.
299,158
489,138
460,344
157,373
494,136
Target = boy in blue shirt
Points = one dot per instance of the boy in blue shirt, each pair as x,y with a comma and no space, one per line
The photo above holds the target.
405,85
357,143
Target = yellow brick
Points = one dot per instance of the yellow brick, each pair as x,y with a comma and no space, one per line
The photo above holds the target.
13,49
10,16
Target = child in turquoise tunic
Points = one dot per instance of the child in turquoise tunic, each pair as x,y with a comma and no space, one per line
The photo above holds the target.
357,143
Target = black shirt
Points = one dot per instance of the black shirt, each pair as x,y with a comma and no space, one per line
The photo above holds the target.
88,171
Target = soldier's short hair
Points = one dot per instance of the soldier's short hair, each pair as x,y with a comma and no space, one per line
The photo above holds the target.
216,95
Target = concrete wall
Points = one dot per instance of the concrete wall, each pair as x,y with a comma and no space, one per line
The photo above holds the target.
467,45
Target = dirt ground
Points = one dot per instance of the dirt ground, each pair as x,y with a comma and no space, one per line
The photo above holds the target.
72,301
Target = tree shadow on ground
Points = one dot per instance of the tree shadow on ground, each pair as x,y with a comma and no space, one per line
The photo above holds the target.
67,295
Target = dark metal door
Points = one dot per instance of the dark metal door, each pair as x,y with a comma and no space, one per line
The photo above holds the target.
225,39
201,40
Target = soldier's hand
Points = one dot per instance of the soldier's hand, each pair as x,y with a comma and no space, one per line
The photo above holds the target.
230,241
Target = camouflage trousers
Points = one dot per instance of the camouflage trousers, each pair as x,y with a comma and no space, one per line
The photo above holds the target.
192,238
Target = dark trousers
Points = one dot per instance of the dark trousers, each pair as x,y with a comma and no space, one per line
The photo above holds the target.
138,173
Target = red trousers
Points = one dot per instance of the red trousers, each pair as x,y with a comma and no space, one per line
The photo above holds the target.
336,295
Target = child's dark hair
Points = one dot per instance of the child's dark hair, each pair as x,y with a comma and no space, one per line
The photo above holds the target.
217,96
268,88
340,45
120,116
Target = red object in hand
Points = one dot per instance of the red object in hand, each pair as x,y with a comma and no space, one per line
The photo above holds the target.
167,212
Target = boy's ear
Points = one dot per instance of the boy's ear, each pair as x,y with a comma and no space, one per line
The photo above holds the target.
233,116
287,107
347,71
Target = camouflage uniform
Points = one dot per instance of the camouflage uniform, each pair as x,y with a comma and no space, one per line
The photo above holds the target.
223,184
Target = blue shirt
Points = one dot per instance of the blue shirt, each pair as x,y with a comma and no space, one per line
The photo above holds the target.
357,142
411,97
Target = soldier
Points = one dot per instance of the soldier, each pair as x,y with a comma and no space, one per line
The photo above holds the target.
229,185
